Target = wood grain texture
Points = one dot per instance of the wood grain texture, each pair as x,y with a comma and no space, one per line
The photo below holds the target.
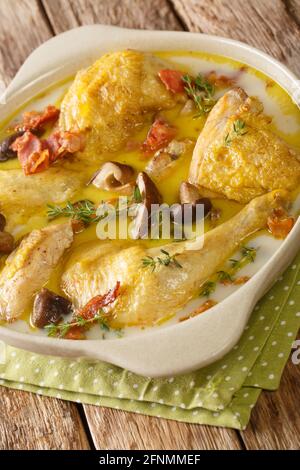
293,7
154,14
270,25
23,28
128,431
275,421
29,421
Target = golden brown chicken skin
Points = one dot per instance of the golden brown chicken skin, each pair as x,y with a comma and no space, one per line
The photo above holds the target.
237,154
110,100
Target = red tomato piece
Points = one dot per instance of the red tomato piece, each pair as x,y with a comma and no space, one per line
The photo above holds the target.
75,332
34,120
172,79
280,228
96,303
159,135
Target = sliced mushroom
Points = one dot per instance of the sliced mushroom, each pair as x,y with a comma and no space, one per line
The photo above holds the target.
165,159
2,222
188,108
189,193
148,190
178,210
140,226
206,203
48,308
6,243
114,176
150,195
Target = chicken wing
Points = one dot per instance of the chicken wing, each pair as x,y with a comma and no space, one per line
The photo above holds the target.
238,156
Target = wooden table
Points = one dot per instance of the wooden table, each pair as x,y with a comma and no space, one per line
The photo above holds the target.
28,421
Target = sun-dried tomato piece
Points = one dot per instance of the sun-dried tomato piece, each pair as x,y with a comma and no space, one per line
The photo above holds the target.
97,303
36,155
35,120
32,154
75,332
159,135
172,79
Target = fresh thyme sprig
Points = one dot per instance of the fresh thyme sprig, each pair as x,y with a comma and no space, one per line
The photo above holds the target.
201,92
61,329
248,256
84,211
224,277
238,129
208,288
166,260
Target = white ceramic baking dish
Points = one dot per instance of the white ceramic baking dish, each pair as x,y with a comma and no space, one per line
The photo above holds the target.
191,344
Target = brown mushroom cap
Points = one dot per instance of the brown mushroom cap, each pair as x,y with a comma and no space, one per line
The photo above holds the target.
148,190
114,176
178,211
141,223
188,193
6,243
2,222
48,308
150,195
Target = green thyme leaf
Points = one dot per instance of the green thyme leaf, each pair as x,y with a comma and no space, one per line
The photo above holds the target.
165,260
238,129
207,289
201,92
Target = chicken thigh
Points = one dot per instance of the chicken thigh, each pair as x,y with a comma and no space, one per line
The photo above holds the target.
238,156
112,97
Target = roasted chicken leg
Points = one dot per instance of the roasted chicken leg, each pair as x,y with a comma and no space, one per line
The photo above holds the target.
148,296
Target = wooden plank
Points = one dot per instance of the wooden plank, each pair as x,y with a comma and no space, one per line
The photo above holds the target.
270,25
293,7
113,429
23,28
275,421
29,421
156,14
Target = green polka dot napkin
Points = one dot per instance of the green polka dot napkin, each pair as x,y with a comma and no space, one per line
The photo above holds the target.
221,394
